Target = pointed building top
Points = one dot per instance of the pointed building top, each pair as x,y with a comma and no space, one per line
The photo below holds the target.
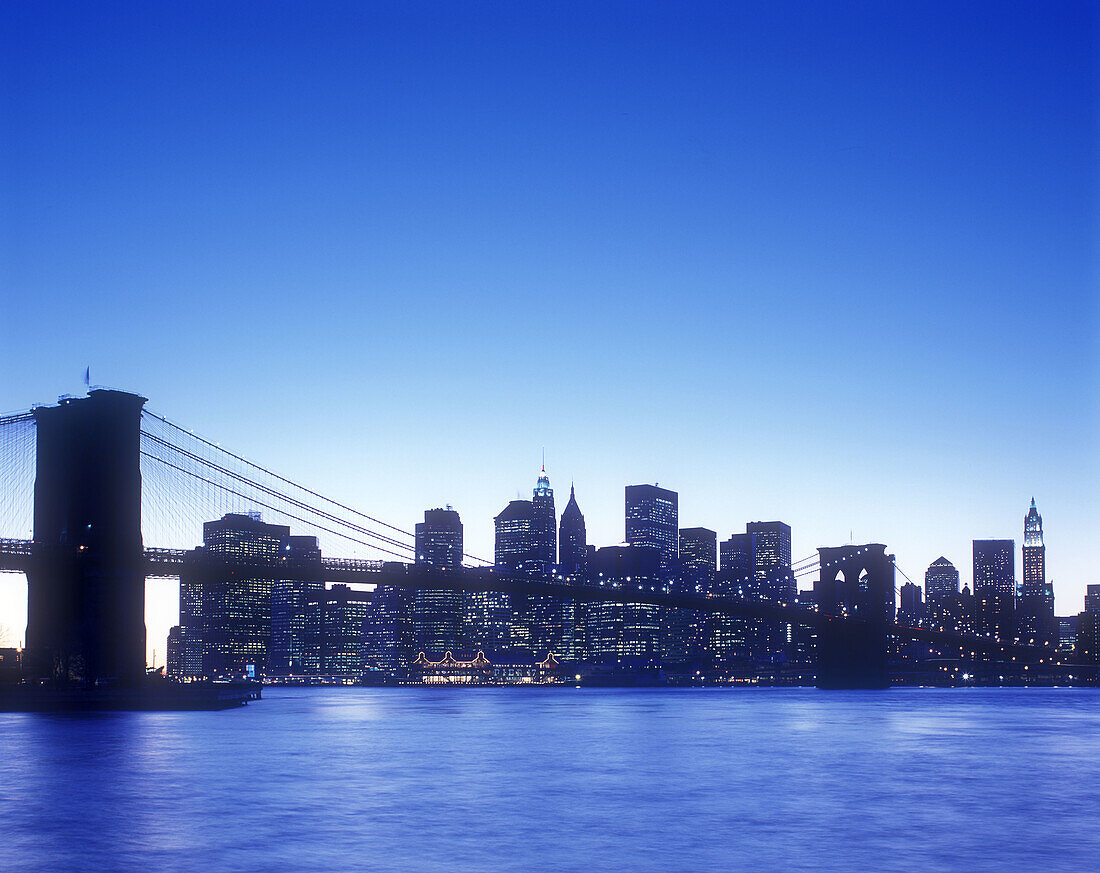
542,487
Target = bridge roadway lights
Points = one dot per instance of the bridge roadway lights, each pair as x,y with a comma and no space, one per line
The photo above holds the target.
86,580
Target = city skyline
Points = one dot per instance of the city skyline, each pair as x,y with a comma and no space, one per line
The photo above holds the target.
617,243
162,609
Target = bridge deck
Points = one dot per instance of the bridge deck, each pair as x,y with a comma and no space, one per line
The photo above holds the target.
16,555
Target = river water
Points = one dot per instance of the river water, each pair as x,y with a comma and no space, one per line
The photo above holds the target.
420,779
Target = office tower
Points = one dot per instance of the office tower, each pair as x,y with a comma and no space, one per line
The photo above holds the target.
439,538
941,583
687,631
544,522
437,614
1035,604
514,543
773,580
911,609
554,626
771,560
227,619
172,655
995,588
732,638
943,603
1087,643
1067,633
515,547
572,538
699,548
652,519
630,631
387,641
736,563
290,653
334,622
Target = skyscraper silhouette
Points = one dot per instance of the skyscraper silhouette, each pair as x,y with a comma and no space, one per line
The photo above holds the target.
572,537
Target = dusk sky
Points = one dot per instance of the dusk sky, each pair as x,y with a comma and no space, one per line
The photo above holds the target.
829,263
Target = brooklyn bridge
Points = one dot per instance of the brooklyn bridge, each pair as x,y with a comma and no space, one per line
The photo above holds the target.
93,472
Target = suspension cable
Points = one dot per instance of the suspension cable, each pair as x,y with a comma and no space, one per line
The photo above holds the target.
269,506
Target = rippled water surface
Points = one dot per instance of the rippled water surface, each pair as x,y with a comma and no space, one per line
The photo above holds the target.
419,779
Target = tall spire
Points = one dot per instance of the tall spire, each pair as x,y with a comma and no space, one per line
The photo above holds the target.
1033,526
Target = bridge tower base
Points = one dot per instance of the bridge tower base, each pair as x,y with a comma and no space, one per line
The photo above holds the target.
857,582
86,582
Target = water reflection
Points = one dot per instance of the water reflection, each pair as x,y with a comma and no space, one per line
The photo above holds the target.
562,779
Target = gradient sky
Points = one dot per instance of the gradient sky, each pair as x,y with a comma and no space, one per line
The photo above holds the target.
829,263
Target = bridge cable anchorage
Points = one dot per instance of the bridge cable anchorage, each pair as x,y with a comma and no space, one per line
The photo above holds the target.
280,495
273,508
273,474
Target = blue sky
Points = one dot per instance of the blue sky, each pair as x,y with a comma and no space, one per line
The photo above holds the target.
829,263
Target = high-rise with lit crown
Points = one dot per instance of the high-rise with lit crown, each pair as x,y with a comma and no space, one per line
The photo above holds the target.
1034,552
1035,607
544,522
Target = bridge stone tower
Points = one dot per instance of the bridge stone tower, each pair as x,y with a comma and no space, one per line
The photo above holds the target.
857,582
86,582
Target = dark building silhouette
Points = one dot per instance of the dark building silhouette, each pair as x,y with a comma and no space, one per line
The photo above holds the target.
172,662
572,537
437,614
1035,604
652,519
1087,643
911,608
86,587
995,588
